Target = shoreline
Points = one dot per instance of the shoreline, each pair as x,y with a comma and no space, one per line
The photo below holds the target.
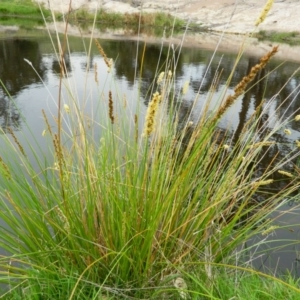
231,41
228,43
231,19
230,16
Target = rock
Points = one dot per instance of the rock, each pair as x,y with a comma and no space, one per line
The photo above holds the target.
222,15
162,6
119,7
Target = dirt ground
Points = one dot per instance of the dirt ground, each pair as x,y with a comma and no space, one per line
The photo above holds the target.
220,16
234,16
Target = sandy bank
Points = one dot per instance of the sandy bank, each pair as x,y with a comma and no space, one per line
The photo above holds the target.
203,40
219,15
234,16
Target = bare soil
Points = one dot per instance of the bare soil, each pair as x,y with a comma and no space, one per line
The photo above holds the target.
234,16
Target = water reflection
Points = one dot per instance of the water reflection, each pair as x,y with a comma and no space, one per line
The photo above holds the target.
15,73
9,115
191,64
65,64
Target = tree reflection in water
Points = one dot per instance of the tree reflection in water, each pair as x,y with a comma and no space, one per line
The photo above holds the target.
16,75
9,115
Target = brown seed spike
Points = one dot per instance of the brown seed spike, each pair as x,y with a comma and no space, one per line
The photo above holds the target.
96,73
47,123
107,61
111,107
6,170
16,141
242,85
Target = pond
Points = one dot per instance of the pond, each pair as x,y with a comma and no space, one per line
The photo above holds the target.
29,70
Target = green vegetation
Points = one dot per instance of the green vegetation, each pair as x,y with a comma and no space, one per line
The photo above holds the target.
132,206
245,285
25,23
151,23
24,9
230,284
27,14
24,14
127,206
291,38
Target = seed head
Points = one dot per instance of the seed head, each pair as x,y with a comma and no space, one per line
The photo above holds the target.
151,113
242,85
160,77
63,219
108,61
288,174
185,87
264,12
67,108
16,140
181,286
111,107
96,73
262,182
260,144
269,230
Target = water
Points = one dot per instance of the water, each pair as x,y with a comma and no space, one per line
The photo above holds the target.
33,86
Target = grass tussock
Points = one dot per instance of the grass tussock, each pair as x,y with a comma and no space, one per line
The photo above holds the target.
231,283
157,19
27,13
291,38
24,8
136,206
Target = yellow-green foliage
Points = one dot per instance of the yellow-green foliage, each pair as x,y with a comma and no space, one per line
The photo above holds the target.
130,212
